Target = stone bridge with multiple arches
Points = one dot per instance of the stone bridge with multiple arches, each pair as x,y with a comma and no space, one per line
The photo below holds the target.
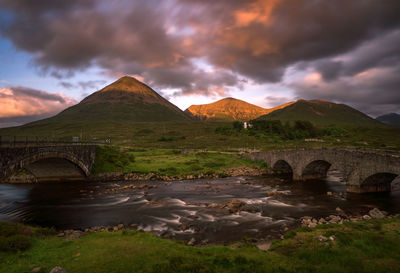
363,170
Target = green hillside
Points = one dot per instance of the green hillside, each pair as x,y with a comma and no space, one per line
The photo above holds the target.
127,99
322,113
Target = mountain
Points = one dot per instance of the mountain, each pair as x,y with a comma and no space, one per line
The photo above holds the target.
392,119
126,99
323,113
228,109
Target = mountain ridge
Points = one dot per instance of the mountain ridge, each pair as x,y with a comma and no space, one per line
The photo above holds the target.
323,113
229,109
392,119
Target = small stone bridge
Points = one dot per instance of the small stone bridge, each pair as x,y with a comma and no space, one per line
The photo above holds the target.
363,170
14,158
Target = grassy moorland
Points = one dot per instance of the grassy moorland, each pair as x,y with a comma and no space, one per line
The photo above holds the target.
203,135
369,246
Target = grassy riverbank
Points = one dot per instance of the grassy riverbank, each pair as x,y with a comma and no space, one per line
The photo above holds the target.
169,162
369,246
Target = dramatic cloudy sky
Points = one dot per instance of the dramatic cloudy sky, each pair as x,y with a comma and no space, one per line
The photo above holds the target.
268,52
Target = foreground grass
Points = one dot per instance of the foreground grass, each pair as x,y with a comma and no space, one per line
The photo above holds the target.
171,162
370,246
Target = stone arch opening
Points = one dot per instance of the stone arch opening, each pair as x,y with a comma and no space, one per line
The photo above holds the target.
51,166
316,169
378,182
282,167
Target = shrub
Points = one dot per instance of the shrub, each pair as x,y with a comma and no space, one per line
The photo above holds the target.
111,158
237,125
227,131
306,127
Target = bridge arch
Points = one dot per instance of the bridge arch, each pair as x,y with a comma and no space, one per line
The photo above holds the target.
32,158
282,167
378,182
316,169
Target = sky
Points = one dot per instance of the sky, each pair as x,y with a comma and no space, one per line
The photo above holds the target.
53,53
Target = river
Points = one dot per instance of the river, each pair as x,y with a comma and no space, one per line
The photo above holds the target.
182,209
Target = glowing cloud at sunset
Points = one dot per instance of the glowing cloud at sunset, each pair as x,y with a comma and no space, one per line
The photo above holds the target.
199,50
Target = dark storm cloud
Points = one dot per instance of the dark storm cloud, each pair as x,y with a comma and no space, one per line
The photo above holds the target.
19,91
375,91
381,51
256,39
262,43
91,85
273,101
367,77
85,85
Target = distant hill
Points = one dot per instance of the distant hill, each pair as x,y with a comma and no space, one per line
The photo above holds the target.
392,119
228,109
127,99
322,113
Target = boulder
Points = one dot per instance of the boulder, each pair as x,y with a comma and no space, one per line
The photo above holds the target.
334,219
312,225
264,246
75,234
366,217
376,214
341,212
58,269
191,242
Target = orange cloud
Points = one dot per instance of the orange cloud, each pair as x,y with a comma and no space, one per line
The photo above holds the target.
20,101
258,12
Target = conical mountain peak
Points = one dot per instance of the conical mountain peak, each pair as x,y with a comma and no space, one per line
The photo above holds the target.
129,84
126,99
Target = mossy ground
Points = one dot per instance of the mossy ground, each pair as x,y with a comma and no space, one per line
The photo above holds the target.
370,246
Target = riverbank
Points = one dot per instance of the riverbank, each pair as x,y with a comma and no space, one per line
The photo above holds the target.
367,246
151,176
134,176
129,164
234,207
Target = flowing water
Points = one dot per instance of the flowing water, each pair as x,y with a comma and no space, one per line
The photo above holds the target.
182,210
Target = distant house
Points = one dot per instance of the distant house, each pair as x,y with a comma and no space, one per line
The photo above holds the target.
247,124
